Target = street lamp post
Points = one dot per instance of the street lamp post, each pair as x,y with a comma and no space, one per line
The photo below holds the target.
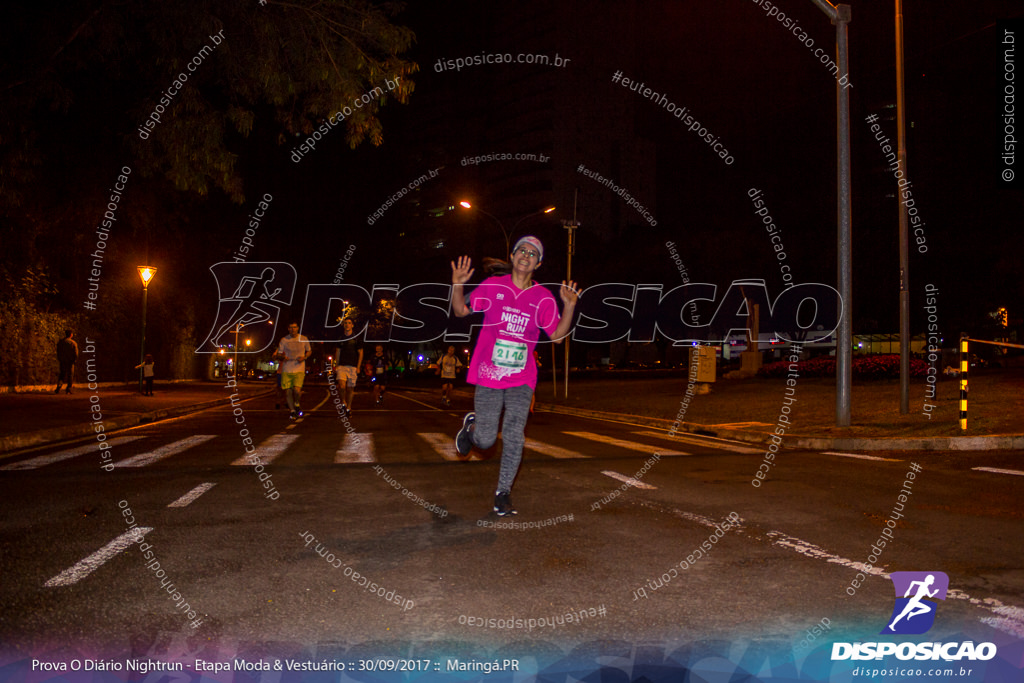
570,226
146,273
506,233
901,144
234,363
840,16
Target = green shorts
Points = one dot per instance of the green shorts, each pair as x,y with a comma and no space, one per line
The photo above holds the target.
292,379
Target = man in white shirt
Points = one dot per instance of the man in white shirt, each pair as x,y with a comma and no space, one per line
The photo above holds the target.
295,349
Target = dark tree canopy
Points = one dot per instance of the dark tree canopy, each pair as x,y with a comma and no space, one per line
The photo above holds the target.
79,81
95,72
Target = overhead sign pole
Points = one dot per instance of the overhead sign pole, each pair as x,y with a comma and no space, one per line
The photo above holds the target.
840,16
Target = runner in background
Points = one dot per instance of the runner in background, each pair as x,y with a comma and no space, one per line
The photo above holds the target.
295,349
379,379
448,365
502,368
348,357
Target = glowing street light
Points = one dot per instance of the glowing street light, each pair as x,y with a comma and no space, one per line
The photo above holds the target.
507,233
146,273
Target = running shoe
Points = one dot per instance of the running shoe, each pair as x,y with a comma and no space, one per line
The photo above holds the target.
464,439
502,504
293,415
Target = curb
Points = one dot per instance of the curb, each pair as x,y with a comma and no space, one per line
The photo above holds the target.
932,443
48,388
15,442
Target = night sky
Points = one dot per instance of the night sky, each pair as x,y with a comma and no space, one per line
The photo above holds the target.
758,88
760,91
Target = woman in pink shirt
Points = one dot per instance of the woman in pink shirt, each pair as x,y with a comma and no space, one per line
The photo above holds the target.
515,309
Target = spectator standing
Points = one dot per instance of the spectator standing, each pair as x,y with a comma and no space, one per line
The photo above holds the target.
67,354
147,374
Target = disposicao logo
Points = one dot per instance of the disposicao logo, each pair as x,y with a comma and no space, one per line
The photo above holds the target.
915,614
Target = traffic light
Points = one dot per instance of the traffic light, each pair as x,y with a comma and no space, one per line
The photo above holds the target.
1003,318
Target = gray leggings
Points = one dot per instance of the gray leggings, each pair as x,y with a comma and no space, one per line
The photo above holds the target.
488,404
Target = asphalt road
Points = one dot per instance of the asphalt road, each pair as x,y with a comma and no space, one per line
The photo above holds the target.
409,554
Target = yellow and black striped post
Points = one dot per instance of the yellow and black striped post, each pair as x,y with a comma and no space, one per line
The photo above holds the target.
964,362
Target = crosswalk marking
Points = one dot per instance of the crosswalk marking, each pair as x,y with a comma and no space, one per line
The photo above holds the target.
143,459
356,447
90,564
707,442
43,460
192,495
620,443
998,471
267,451
443,444
859,456
551,450
741,425
628,480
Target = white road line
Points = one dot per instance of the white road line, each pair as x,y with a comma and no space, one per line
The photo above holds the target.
620,443
706,521
862,457
409,398
444,444
1008,618
192,495
705,441
95,561
811,550
42,460
741,425
143,459
998,471
268,451
551,450
628,480
356,447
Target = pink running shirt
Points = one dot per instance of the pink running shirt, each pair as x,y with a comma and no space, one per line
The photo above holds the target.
513,318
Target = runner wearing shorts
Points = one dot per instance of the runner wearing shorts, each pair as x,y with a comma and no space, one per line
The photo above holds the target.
348,356
448,365
295,349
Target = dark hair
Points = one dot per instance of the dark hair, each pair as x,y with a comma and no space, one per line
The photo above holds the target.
67,333
496,266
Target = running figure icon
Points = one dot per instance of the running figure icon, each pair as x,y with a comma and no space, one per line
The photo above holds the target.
917,595
915,606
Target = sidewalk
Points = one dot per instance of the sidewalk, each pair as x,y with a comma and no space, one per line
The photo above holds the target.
36,418
750,410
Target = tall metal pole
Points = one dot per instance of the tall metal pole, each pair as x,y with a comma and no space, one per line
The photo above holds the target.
840,16
234,372
901,144
142,351
571,227
844,364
